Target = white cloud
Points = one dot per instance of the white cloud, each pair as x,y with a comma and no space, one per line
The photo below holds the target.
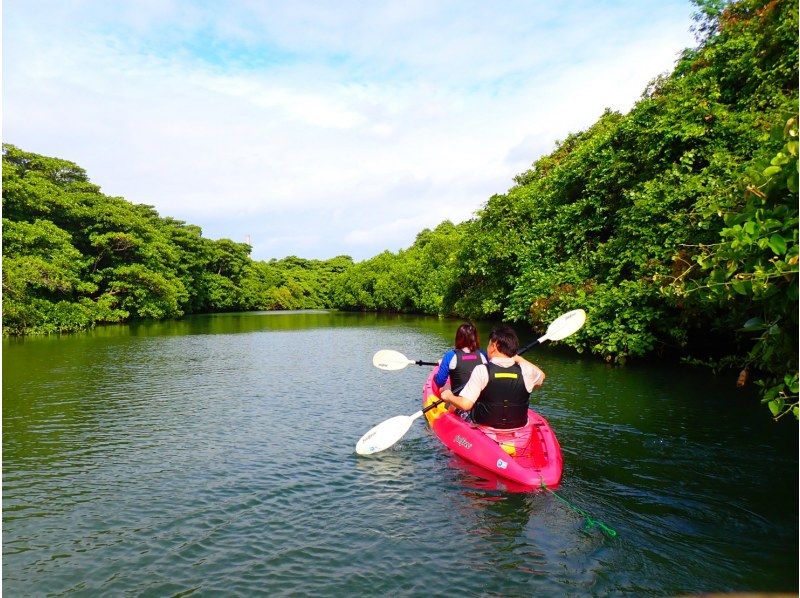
321,129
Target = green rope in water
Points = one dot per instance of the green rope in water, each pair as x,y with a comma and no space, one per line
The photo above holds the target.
590,522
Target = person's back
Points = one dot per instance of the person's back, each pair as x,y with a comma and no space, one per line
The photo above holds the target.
503,403
459,362
497,394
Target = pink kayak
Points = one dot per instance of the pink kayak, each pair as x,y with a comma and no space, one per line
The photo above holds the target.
529,456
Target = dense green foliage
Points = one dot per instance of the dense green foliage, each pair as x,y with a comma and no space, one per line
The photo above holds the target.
413,280
73,257
752,271
674,226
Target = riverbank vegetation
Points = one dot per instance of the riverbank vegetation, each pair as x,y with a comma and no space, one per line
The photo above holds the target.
674,226
73,257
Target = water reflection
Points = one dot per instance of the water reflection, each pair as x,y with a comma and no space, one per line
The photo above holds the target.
389,466
479,478
244,322
216,454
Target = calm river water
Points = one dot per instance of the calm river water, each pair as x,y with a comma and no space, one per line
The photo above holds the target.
215,456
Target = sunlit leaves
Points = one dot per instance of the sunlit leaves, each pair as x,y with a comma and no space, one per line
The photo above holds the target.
754,270
73,257
415,280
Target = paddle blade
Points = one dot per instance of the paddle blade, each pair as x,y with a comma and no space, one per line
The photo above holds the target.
386,359
565,325
384,435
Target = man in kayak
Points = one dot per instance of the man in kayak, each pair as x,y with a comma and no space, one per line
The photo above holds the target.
497,394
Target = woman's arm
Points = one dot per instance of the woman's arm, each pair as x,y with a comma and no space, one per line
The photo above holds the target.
444,369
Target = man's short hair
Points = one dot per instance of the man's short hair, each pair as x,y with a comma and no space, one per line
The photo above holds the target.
506,339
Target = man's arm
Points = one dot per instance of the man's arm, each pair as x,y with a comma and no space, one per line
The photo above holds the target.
457,400
470,393
532,374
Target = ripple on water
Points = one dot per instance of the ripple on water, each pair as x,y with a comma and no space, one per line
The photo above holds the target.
206,464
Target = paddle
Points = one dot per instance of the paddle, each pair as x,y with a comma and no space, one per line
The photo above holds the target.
389,360
387,433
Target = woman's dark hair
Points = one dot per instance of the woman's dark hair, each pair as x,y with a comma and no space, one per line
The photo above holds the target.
467,337
506,340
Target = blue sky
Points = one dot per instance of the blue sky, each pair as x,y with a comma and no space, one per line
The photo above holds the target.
321,128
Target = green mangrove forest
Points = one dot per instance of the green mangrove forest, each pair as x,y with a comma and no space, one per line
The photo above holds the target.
674,226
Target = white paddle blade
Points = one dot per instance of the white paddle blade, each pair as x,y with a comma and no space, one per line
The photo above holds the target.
384,435
565,325
386,359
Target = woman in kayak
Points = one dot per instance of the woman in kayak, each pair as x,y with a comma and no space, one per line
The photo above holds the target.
458,363
497,393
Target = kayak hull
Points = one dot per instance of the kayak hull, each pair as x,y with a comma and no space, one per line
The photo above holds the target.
529,456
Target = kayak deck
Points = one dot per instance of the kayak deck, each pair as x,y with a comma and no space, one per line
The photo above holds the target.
529,456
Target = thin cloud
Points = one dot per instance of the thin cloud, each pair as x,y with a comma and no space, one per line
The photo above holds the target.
357,125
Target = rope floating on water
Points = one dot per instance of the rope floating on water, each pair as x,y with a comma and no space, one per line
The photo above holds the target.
590,522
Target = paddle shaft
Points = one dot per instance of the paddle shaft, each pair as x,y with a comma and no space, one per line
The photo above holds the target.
530,345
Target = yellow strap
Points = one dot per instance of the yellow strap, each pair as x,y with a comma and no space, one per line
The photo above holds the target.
501,375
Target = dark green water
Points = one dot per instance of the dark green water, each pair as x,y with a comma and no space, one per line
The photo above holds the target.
215,456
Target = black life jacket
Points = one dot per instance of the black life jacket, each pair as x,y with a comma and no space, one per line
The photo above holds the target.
504,402
465,363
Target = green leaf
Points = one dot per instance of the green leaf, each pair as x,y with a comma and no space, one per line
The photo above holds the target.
778,244
753,324
791,183
755,175
771,170
780,159
740,286
775,406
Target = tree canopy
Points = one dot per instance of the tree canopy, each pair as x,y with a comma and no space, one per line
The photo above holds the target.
674,225
73,257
